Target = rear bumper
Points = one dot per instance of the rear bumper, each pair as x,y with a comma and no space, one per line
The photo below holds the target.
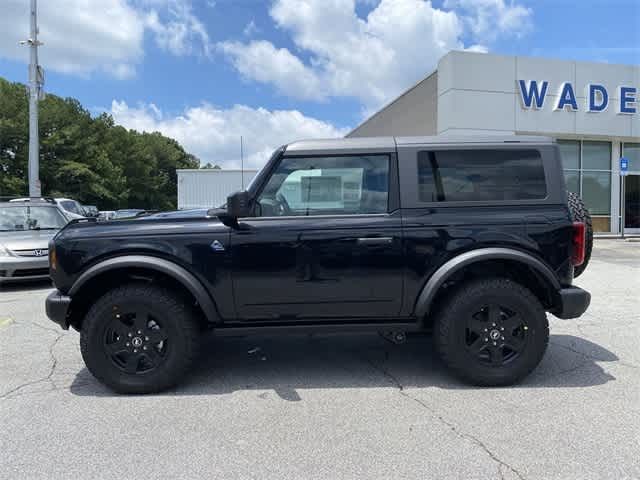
574,302
57,307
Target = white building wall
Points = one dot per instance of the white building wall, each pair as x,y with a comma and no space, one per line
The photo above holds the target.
208,188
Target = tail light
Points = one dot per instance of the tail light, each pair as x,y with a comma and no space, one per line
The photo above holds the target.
579,243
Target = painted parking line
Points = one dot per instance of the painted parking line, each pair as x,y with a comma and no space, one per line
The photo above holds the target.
6,321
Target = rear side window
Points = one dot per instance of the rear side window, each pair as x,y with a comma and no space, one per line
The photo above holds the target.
480,175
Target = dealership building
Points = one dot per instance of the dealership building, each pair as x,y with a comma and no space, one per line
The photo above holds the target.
591,109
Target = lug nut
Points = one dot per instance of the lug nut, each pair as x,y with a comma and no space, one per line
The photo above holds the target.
486,330
493,324
117,315
502,338
486,339
526,328
130,334
502,328
139,332
144,348
146,339
135,351
494,344
127,344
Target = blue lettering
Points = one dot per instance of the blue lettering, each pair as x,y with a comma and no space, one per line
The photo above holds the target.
627,97
567,97
593,105
530,93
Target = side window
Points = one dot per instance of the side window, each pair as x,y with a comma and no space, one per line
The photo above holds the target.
480,175
302,186
69,206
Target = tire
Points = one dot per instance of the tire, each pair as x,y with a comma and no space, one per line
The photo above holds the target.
579,213
166,345
466,347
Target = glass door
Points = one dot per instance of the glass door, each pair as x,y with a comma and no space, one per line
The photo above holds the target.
632,204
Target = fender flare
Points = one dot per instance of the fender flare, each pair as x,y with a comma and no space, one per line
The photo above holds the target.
434,283
178,273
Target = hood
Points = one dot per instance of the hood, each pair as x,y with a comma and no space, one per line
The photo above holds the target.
27,239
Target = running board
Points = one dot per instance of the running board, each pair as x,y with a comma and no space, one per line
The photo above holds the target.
279,328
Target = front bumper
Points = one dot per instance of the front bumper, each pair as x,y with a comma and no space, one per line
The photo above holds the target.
14,269
57,307
574,301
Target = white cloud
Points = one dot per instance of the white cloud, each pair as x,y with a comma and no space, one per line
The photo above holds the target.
487,19
77,36
181,33
213,134
261,61
81,37
250,29
372,58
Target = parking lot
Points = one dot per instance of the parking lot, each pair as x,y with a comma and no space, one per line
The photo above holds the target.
332,406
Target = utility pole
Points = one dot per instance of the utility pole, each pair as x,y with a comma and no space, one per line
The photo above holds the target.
36,80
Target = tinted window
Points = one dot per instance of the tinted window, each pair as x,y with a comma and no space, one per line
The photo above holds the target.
480,175
70,206
326,186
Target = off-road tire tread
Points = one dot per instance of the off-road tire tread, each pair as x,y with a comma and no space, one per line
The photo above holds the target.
447,315
169,302
580,213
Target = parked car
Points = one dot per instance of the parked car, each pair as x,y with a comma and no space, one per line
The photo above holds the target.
187,213
71,208
90,211
25,231
128,213
471,238
105,215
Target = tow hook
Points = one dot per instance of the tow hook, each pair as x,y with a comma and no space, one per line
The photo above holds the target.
394,337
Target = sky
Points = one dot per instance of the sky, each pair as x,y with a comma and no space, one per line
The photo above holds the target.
207,72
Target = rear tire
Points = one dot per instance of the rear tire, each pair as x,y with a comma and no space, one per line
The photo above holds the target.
580,213
139,338
491,332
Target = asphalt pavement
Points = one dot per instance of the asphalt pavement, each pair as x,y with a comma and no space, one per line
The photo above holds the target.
332,406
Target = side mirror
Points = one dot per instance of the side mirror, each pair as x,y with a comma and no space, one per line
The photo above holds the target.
238,205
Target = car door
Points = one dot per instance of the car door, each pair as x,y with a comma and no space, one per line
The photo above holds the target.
325,241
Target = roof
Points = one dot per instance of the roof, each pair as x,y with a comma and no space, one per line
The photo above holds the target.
386,144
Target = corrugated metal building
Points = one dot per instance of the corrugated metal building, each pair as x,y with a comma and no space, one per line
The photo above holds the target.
207,188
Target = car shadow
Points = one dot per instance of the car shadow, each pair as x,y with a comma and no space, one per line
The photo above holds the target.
26,286
298,362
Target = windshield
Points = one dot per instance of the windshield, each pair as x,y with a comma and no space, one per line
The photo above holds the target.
13,219
70,206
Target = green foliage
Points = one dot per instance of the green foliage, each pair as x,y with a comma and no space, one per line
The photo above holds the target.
89,159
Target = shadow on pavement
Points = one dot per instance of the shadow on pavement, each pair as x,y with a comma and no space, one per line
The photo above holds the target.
286,364
26,286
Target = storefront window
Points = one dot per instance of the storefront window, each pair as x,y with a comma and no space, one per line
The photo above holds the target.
587,171
631,152
596,192
596,156
570,153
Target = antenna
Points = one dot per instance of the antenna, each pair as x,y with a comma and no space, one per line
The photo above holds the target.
241,162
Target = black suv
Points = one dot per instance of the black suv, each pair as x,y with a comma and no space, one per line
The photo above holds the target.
470,238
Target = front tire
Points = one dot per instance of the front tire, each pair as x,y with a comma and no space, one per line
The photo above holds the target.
139,338
491,332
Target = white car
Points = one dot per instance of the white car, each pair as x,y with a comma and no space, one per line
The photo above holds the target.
70,207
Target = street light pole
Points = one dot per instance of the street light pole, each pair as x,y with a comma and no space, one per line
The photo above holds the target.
35,84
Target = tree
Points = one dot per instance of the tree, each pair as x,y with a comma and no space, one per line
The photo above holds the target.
89,159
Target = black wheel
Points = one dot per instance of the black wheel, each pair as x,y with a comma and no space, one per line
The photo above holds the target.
491,332
580,213
139,339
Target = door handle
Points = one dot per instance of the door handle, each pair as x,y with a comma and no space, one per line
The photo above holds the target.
375,240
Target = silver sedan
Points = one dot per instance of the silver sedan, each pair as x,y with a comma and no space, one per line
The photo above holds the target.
25,231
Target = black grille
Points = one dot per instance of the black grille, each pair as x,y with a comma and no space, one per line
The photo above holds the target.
31,272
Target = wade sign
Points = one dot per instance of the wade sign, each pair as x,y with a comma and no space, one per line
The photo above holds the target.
533,94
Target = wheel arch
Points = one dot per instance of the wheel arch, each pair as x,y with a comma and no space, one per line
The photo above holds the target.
143,267
545,284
